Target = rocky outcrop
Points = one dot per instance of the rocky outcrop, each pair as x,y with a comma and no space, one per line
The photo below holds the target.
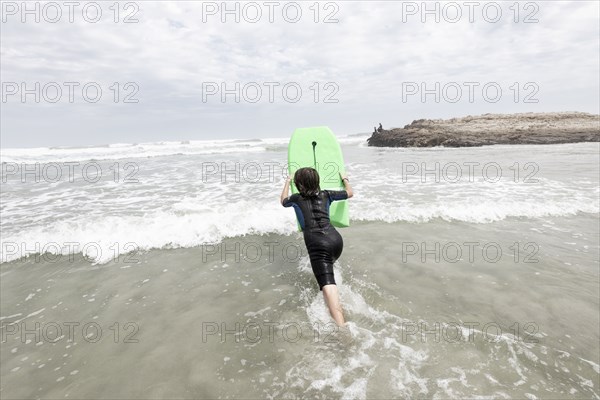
487,129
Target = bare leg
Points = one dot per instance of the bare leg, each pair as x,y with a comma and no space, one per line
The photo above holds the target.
332,299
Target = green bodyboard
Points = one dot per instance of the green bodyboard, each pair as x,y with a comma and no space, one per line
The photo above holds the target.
327,159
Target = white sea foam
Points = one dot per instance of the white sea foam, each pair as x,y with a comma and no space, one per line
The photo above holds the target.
189,223
348,376
107,237
176,205
117,151
134,150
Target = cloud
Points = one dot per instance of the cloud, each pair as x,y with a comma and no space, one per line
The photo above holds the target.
375,47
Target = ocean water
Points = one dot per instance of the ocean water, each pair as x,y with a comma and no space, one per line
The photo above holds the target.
169,269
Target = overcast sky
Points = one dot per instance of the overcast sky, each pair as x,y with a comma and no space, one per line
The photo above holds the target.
367,65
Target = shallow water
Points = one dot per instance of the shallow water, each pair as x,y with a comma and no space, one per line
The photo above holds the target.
474,289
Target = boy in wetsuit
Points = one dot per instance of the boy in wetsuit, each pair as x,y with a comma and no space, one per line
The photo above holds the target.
323,241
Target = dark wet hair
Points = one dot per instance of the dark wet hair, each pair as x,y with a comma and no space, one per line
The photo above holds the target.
307,181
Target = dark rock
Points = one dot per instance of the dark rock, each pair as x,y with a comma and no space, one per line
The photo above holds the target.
487,129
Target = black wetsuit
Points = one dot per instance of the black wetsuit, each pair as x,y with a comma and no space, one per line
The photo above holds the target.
323,241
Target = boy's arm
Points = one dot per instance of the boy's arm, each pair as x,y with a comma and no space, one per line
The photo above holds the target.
347,185
285,191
